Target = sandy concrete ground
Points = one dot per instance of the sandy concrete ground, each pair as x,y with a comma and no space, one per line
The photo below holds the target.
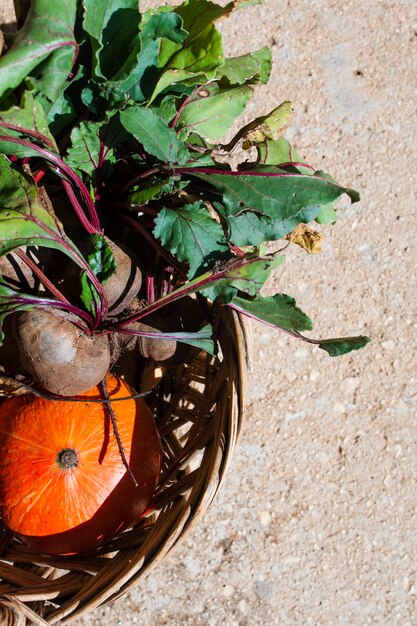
316,523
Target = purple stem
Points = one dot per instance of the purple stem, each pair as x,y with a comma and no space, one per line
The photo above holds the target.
32,133
64,169
150,289
39,273
46,302
78,208
209,171
153,335
295,164
193,286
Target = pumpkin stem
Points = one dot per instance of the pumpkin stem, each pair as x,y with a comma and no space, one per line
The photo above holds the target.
67,458
109,408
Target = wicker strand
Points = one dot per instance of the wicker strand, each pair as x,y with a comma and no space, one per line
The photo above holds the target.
15,613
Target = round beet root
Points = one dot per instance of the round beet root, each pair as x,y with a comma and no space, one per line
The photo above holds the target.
184,315
158,350
123,286
63,359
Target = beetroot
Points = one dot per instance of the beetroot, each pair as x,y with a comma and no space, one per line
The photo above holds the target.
60,356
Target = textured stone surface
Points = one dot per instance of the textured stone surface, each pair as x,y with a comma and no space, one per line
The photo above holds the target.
316,522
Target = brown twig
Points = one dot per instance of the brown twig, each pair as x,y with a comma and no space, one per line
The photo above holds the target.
109,408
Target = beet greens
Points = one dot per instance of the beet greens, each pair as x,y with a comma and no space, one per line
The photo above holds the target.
119,136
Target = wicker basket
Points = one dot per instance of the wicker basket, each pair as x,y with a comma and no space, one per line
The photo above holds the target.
199,408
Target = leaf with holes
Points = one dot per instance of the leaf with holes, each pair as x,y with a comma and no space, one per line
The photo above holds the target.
248,69
265,204
212,110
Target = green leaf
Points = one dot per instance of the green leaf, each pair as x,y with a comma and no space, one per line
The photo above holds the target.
212,110
159,30
277,152
269,127
83,154
252,229
327,214
343,345
62,113
203,60
28,116
267,203
51,75
247,276
202,339
48,28
250,69
156,137
88,294
93,143
167,108
279,310
193,236
198,14
154,189
202,52
164,23
100,257
113,26
24,221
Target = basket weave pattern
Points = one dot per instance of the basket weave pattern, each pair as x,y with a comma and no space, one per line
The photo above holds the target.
199,408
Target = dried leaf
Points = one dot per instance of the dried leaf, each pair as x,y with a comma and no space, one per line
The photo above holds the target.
307,238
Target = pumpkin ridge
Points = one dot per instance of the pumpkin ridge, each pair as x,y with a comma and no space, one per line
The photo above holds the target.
25,440
73,502
39,493
84,505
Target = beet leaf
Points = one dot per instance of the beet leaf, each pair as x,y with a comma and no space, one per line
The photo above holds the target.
193,236
48,33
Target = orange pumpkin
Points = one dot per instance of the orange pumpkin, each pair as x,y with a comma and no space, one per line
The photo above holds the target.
63,487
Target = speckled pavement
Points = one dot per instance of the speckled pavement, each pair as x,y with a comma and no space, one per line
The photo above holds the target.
316,523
